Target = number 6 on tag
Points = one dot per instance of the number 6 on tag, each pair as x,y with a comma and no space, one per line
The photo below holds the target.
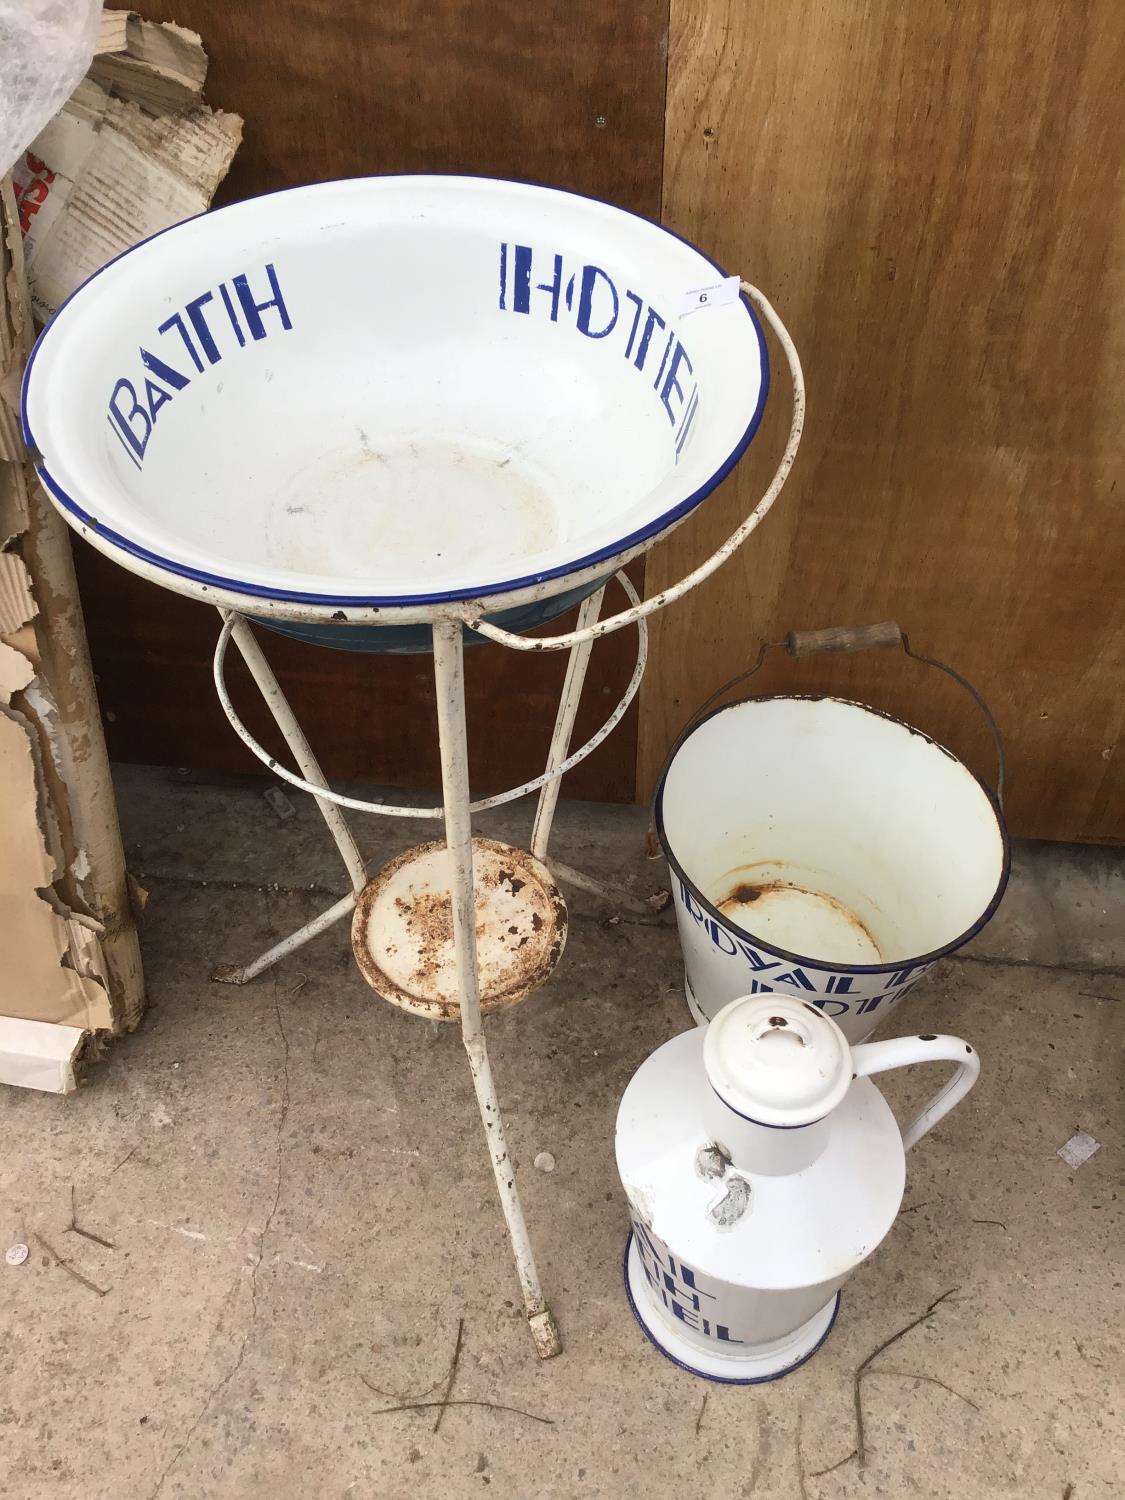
716,295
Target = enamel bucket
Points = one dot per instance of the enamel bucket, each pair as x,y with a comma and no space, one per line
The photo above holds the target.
823,849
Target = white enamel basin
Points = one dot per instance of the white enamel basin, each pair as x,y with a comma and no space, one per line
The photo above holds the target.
392,392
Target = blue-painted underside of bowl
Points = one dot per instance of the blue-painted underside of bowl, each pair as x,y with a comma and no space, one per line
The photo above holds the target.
410,640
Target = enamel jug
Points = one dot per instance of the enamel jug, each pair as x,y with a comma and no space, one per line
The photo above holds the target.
762,1166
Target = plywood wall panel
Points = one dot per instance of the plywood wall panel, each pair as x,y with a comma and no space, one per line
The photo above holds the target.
932,196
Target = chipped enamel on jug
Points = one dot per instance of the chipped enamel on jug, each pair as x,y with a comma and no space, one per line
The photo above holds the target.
762,1166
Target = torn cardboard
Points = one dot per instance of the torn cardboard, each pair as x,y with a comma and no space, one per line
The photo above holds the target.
39,978
133,151
16,672
13,484
15,338
17,604
162,67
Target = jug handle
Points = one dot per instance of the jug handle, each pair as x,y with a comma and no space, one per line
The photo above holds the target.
901,1052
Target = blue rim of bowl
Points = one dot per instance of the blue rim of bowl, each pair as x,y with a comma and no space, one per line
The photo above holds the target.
704,1374
800,959
615,549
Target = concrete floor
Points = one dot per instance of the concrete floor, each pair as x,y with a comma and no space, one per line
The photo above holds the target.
301,1211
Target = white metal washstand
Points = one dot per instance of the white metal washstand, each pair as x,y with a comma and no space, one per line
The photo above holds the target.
355,414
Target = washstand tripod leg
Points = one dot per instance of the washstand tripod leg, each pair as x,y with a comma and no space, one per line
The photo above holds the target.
577,663
449,680
309,766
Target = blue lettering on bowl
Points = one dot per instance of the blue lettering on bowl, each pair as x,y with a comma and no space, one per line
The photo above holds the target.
135,403
591,296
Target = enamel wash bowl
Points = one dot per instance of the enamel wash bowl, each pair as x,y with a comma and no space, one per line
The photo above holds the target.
380,395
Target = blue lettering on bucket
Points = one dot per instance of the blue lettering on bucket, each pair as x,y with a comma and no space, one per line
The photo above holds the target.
135,403
896,990
599,310
757,961
906,976
824,988
797,979
694,910
833,1007
839,984
730,945
721,937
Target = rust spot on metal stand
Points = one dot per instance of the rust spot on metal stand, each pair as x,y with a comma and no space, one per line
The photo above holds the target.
402,930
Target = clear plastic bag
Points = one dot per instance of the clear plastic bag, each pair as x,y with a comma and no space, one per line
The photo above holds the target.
45,48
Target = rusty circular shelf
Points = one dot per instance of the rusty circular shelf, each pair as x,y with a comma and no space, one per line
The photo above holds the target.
402,929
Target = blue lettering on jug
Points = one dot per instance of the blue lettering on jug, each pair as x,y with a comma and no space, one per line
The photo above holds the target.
599,310
203,330
677,1286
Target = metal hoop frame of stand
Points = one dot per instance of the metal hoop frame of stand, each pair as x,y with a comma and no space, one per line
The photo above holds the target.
448,624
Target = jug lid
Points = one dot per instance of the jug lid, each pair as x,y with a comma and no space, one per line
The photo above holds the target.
776,1060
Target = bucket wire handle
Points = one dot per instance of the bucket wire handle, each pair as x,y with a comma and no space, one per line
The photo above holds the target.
799,643
840,639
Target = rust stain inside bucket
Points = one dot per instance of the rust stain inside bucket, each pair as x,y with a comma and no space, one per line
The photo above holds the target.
742,894
800,920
